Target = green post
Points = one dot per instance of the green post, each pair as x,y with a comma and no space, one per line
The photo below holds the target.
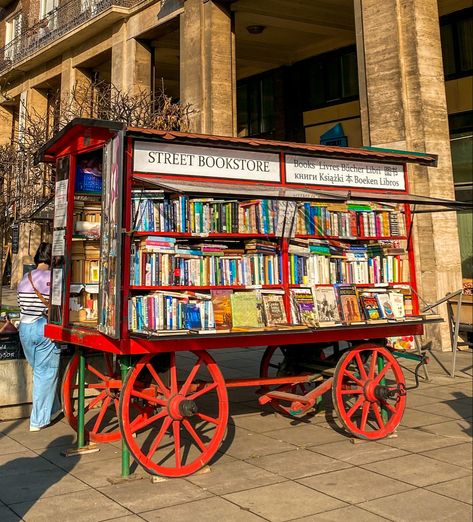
81,401
382,382
124,367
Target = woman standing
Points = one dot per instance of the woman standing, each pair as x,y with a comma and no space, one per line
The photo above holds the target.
42,354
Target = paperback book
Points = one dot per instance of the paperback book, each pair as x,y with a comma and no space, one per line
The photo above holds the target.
246,311
385,305
370,307
273,309
222,305
327,306
304,310
349,305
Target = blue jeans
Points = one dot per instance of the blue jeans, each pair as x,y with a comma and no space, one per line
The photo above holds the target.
43,356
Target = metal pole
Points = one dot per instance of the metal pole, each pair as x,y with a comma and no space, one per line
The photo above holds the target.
124,367
382,382
81,401
455,334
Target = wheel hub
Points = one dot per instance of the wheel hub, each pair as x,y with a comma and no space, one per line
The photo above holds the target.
179,407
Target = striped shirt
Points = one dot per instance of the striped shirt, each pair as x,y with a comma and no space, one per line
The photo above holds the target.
31,307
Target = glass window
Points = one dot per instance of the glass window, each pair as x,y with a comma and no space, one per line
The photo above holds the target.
456,32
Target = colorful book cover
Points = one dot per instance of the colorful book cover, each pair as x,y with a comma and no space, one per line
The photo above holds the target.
274,311
349,304
370,307
192,316
222,308
327,306
303,307
245,311
397,302
385,305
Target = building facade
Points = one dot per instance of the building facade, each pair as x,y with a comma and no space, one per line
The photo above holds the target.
394,74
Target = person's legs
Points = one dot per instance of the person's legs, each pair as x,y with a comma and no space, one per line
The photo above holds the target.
43,355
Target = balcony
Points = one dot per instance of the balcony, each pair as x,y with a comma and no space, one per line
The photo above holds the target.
60,22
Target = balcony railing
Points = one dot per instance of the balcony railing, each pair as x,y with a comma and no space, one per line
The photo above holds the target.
55,24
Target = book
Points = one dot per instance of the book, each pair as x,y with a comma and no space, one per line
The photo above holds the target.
273,308
370,307
397,302
245,312
222,305
385,305
192,318
327,306
349,304
303,308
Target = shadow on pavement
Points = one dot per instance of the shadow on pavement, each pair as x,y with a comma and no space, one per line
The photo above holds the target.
462,404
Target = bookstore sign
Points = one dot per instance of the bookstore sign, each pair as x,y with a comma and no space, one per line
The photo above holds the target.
344,173
211,162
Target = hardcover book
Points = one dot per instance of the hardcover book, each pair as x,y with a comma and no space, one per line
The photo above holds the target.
304,310
370,307
192,317
222,304
274,311
349,304
327,306
245,312
385,305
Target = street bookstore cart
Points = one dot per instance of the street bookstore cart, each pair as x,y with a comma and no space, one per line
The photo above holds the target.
168,246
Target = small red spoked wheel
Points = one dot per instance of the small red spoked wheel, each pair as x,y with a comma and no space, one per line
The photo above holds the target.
187,413
369,393
272,365
102,388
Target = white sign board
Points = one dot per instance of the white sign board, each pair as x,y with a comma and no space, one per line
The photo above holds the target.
161,158
344,173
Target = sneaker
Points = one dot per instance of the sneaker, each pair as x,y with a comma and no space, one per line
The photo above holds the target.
34,428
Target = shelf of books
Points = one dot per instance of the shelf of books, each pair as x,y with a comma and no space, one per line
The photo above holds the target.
222,265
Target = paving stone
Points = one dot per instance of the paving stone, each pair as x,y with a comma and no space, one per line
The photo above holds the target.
7,515
416,399
81,506
458,489
141,495
127,518
356,454
415,418
9,445
60,434
458,430
98,474
39,484
460,455
418,440
305,436
261,423
419,505
284,501
355,485
446,393
234,476
246,445
23,462
344,514
417,470
209,509
453,409
299,464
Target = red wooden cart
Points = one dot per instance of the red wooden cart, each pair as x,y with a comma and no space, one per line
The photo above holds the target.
164,395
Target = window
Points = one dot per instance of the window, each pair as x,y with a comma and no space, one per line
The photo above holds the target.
45,7
456,32
13,28
328,79
461,143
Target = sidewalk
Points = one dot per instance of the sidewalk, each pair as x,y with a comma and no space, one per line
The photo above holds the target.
275,468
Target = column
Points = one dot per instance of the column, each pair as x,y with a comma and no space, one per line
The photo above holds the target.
403,106
6,122
207,67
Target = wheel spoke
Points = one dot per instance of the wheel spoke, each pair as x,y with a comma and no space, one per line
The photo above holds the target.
176,430
364,415
361,366
190,377
148,398
352,391
166,423
95,401
382,373
97,373
158,380
357,404
173,372
108,363
101,415
139,424
194,435
116,402
206,418
202,391
377,414
353,378
392,409
374,358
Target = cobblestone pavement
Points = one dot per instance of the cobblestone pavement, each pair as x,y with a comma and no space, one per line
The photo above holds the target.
271,468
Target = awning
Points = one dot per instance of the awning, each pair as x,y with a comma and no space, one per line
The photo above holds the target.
437,204
235,190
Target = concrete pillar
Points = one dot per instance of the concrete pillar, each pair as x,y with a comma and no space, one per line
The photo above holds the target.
6,123
403,106
207,67
74,83
131,62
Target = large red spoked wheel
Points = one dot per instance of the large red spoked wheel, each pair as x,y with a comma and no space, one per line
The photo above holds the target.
369,393
102,387
187,413
273,365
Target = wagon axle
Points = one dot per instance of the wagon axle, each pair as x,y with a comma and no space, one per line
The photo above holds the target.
384,393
